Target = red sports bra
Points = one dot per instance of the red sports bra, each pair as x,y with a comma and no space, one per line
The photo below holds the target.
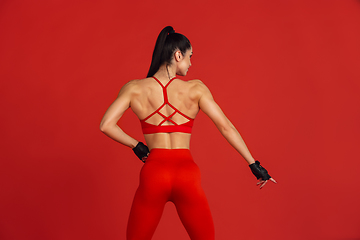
148,128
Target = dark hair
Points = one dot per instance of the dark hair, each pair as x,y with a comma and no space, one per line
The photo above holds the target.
167,43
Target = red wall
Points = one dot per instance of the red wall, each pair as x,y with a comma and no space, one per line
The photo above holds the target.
285,72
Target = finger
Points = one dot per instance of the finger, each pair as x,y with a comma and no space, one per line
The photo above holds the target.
263,184
273,180
260,182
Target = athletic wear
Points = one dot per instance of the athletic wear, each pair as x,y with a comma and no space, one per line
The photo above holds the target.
148,128
141,151
170,175
259,171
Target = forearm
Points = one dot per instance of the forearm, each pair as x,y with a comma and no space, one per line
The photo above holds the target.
117,134
234,138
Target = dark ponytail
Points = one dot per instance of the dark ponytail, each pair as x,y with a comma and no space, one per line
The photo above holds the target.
166,44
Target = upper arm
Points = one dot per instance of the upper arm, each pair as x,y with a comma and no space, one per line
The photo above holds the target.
120,105
208,105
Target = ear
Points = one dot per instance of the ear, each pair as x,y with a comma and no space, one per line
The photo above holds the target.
178,56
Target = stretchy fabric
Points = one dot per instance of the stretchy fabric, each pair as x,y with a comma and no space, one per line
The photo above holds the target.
170,175
151,128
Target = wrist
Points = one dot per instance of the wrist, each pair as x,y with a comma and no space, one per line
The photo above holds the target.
133,144
250,161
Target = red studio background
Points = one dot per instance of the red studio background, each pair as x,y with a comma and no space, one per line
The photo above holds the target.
285,72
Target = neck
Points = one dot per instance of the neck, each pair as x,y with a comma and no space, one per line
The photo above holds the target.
166,72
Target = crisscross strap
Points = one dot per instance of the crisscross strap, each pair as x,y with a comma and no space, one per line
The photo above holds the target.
151,128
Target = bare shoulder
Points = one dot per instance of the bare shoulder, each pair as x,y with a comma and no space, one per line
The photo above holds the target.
132,86
129,85
195,82
198,86
196,89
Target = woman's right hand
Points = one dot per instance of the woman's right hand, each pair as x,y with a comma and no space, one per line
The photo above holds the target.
261,174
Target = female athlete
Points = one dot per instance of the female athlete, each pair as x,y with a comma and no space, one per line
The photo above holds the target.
167,107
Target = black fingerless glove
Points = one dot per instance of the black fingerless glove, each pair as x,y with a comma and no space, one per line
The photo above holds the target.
259,171
141,150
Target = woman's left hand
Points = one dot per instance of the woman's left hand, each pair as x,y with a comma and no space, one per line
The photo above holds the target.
141,151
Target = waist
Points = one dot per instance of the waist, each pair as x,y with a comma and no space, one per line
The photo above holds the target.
174,154
175,140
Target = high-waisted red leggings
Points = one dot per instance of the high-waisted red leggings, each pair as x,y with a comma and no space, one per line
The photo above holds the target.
170,175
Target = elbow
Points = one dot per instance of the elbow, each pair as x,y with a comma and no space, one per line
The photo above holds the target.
226,129
102,129
103,126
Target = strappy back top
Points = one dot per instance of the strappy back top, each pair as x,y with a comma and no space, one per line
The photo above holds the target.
148,128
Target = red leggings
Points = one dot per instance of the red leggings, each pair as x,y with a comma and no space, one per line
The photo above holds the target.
170,175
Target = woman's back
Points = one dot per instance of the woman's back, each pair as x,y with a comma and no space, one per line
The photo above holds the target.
153,100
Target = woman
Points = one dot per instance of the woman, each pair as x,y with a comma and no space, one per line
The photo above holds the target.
167,107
